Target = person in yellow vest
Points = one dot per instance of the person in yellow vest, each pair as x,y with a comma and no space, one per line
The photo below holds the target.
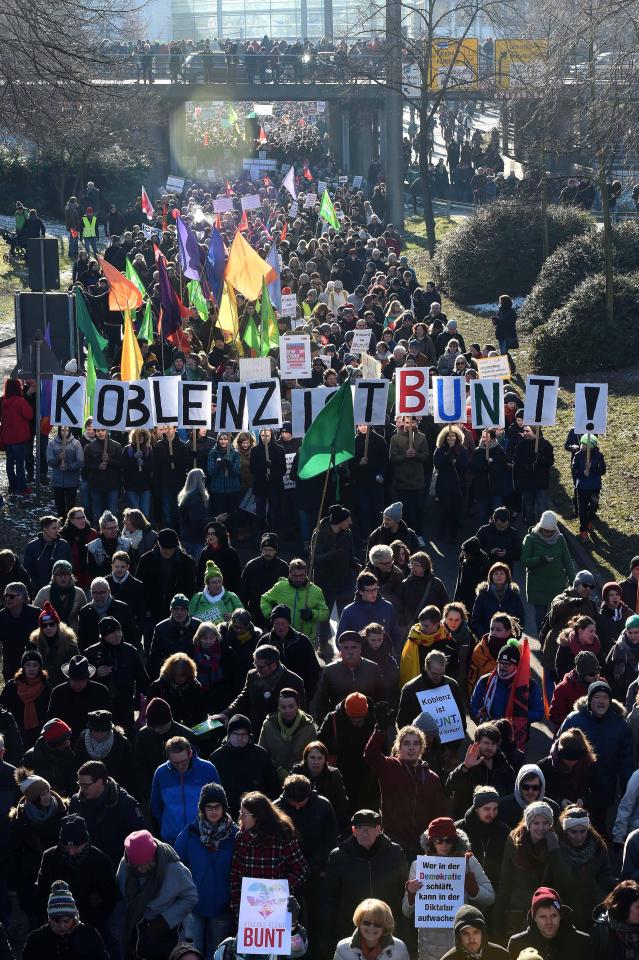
90,231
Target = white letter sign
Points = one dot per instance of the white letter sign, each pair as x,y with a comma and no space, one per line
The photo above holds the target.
449,399
109,408
264,404
67,401
165,400
412,392
591,407
442,892
231,414
306,404
369,402
194,409
540,402
487,403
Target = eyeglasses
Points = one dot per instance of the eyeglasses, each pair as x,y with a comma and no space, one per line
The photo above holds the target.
530,786
85,786
443,840
11,596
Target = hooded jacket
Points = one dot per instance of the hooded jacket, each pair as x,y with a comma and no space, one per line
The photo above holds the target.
511,807
307,597
110,818
569,942
175,796
285,744
469,915
546,578
611,740
244,769
488,603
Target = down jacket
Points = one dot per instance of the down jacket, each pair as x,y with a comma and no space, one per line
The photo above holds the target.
487,604
175,795
434,942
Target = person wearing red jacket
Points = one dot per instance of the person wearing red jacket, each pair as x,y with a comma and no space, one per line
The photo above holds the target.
574,685
15,434
411,794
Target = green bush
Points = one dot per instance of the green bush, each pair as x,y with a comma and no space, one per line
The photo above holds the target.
571,264
578,338
498,250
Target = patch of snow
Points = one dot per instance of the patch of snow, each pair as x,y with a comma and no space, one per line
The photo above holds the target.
488,309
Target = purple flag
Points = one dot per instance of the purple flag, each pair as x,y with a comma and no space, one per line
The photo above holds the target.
171,319
189,251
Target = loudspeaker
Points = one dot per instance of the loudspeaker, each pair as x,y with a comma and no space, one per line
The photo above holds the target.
60,318
35,250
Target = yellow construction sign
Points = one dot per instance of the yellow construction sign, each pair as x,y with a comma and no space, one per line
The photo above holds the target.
454,64
519,62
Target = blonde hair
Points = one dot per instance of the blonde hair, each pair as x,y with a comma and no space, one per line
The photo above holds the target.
404,732
377,911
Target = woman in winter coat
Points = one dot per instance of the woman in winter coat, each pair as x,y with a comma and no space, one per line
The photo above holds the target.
548,564
491,477
531,859
27,695
498,595
223,471
56,644
421,588
62,594
216,667
214,602
616,923
218,549
622,663
450,460
455,619
193,511
138,466
206,848
444,839
179,686
34,825
16,415
580,634
569,769
613,614
78,532
266,847
378,648
325,780
138,530
483,659
588,865
373,936
505,323
244,443
532,461
65,458
473,570
486,832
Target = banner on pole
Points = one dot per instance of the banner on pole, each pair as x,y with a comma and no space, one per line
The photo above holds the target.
591,407
369,402
295,357
67,401
412,392
540,402
487,404
449,399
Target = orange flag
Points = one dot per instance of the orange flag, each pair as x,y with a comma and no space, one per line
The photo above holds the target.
123,295
246,270
244,225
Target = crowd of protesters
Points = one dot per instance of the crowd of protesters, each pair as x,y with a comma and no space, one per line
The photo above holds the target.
205,680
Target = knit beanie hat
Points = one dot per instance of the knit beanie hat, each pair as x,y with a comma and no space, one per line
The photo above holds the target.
31,785
73,829
337,513
483,795
55,731
586,664
529,954
239,722
184,947
426,723
394,512
607,587
180,600
168,539
509,653
108,625
356,706
538,809
61,902
139,848
211,570
280,612
442,828
632,622
31,655
49,614
212,793
544,896
61,566
158,712
599,686
270,540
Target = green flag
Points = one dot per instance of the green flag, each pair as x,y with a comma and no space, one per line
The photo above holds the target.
234,120
270,334
330,439
251,336
146,327
90,385
94,340
132,275
327,211
198,300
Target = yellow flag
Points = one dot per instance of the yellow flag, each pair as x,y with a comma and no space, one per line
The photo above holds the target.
131,361
246,270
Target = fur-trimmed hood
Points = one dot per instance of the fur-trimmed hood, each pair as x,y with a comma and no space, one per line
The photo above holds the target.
484,585
461,847
581,706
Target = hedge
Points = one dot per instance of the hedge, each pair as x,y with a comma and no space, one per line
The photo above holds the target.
578,338
571,264
499,249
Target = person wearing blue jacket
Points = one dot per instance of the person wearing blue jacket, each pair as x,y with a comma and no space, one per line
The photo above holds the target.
587,472
369,607
206,846
489,700
176,786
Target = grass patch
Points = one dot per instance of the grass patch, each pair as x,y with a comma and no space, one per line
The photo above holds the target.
415,233
615,534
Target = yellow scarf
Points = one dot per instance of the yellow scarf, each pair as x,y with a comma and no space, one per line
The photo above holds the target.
409,666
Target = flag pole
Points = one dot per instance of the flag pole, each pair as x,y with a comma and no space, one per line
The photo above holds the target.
319,516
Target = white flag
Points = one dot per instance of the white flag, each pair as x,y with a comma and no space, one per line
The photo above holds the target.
289,182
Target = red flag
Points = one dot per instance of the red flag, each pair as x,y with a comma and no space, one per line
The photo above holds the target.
517,706
262,136
165,223
180,340
284,231
307,173
218,222
229,190
244,224
147,206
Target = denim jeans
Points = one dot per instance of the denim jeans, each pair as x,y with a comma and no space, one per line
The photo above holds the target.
102,500
15,467
91,243
73,246
84,496
413,511
534,503
139,501
207,933
169,508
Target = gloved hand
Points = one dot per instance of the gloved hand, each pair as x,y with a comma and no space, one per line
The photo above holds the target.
552,840
384,715
306,613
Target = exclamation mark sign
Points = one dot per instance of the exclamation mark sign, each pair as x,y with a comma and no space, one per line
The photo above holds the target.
591,396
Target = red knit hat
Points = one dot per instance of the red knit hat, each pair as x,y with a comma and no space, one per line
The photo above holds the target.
56,730
356,705
442,828
544,896
49,614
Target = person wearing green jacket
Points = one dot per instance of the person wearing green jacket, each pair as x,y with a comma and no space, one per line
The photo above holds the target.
548,564
214,602
304,599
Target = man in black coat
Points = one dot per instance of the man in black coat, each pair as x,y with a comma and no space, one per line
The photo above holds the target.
125,587
498,539
120,668
173,635
52,758
262,688
550,930
73,700
259,575
471,937
65,934
111,814
393,528
104,605
267,464
243,765
433,676
368,864
150,743
87,871
165,570
296,650
102,735
314,820
484,764
17,622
